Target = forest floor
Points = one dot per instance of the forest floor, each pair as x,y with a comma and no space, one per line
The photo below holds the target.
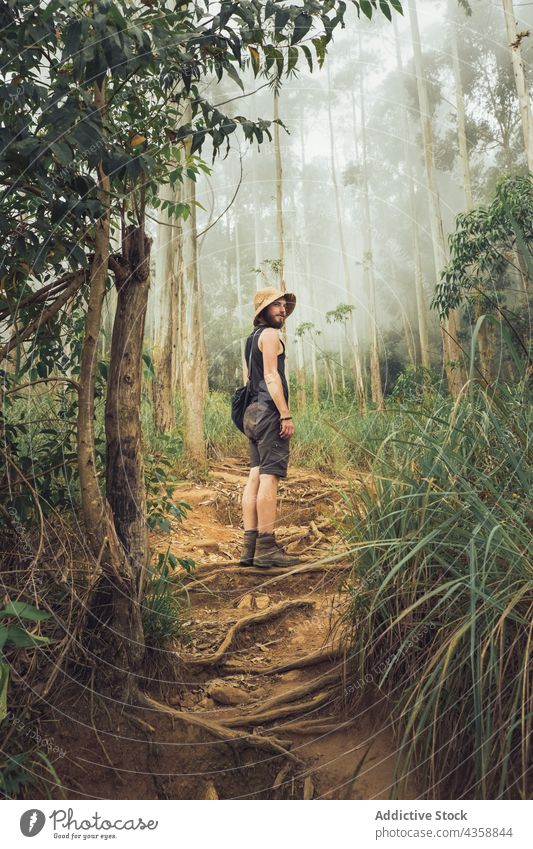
251,703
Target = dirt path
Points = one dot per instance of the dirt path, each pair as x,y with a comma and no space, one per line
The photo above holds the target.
262,655
251,702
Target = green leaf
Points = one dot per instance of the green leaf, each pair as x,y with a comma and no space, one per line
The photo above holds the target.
280,19
4,679
302,25
3,635
397,6
232,74
366,8
23,611
270,8
384,6
293,59
23,639
187,563
308,55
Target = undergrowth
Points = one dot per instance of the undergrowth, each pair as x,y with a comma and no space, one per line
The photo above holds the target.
439,612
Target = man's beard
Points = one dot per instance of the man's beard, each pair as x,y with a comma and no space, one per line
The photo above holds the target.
275,321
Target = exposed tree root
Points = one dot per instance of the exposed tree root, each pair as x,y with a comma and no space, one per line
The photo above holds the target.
303,690
279,712
220,732
320,656
312,726
253,619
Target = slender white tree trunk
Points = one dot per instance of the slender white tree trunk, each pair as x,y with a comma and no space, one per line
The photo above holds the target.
239,297
164,299
421,306
193,362
256,190
368,264
484,341
359,381
279,198
300,374
461,118
340,226
522,88
452,354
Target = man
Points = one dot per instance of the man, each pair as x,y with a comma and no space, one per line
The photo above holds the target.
269,427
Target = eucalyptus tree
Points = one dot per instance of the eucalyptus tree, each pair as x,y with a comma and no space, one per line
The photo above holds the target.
514,38
94,92
482,253
368,259
452,354
303,330
421,306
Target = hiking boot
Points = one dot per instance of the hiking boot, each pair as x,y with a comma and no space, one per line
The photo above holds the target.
269,553
248,548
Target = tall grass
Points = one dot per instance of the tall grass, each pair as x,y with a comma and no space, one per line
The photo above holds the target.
440,602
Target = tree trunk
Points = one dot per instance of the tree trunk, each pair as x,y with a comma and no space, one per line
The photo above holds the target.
522,88
114,605
421,307
239,298
165,298
331,381
336,193
126,491
316,394
300,375
368,262
341,363
452,354
484,343
279,197
461,119
257,224
359,382
193,362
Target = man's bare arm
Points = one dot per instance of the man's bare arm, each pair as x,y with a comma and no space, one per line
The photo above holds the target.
270,343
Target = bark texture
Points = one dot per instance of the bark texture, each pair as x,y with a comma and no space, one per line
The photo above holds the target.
193,361
452,353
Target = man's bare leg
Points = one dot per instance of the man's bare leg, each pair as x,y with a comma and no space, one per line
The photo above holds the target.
249,500
267,499
268,552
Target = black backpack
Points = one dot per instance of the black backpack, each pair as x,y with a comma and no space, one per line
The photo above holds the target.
239,399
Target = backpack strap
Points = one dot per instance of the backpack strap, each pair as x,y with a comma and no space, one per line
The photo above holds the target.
250,355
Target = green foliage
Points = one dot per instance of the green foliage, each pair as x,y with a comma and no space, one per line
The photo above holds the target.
340,314
306,327
16,636
221,434
14,775
164,600
160,489
484,241
415,384
440,602
24,769
38,419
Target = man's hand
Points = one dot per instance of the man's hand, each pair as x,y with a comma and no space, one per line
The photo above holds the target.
286,429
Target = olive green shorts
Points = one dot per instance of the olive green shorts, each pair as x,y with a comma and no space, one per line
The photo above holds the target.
267,449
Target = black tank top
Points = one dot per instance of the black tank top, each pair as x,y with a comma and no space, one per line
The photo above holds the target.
258,387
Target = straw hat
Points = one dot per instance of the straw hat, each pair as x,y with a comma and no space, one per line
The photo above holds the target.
264,297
